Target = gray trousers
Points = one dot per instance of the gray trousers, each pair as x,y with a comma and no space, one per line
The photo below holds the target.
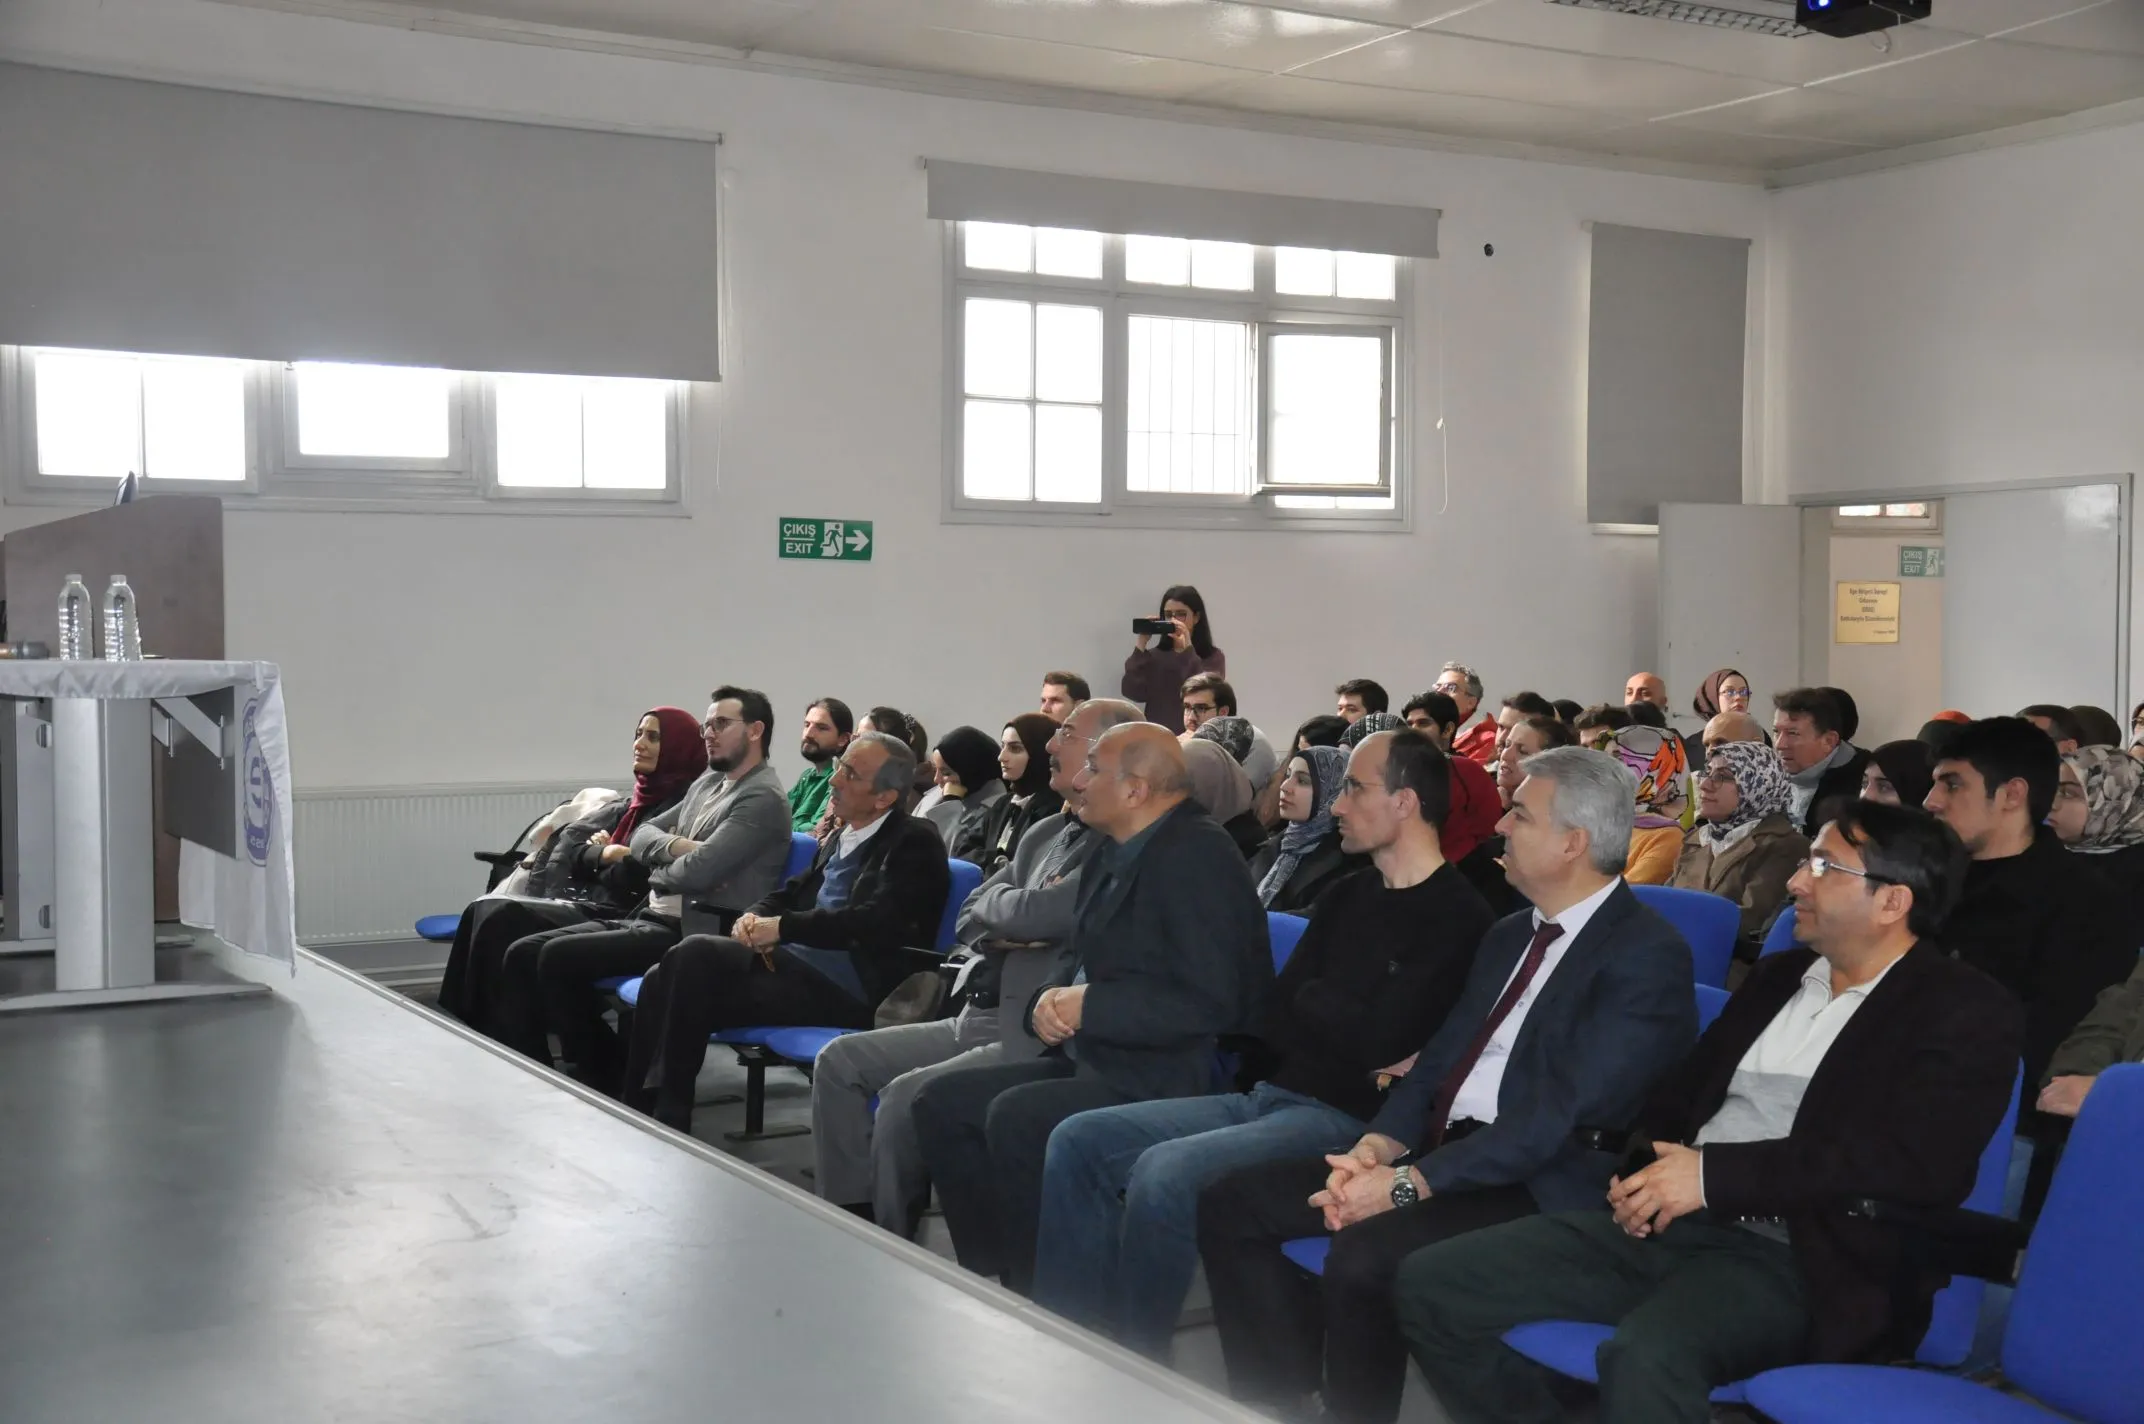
865,1157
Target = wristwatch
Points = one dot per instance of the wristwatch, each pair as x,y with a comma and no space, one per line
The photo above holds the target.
1403,1190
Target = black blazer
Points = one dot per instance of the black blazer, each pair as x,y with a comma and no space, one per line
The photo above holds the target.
1900,1109
1841,783
896,902
1617,1012
1175,952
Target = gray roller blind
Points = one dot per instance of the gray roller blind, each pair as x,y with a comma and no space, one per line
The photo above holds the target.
158,217
1664,373
970,192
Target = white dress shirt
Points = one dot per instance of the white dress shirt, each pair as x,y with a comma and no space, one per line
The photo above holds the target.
853,838
1478,1094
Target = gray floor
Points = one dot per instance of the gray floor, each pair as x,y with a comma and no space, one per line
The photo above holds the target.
326,1205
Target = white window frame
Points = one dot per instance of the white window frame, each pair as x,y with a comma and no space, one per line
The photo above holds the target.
1264,311
279,477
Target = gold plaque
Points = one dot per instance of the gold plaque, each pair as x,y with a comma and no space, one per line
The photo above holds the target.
1867,613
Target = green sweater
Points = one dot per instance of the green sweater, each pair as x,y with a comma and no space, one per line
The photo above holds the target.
807,799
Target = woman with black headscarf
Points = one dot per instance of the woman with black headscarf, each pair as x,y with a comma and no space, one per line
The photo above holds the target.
966,761
1024,768
1899,773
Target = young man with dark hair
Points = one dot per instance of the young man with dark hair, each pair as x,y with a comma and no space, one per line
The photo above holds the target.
1597,725
1823,768
1868,1064
1436,716
1529,704
2039,920
1207,696
828,725
1358,697
1061,692
2059,723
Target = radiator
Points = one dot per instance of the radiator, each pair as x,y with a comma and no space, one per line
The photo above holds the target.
371,861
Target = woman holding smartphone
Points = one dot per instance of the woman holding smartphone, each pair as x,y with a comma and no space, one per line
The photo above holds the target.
1155,673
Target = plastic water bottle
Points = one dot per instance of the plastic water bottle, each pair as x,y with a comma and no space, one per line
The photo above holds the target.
122,632
74,620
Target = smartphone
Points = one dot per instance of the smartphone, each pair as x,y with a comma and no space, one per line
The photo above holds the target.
1153,628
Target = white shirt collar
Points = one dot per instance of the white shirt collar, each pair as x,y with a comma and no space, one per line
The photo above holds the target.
1819,974
853,839
1573,920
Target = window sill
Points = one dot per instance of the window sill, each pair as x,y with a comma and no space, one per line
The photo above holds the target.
238,502
1159,516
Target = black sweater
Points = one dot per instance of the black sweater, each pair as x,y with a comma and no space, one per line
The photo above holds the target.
1373,977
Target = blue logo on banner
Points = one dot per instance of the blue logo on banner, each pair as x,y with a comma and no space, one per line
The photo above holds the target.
260,790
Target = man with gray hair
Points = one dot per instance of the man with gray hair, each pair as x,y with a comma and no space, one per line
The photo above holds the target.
1475,741
822,950
1572,1011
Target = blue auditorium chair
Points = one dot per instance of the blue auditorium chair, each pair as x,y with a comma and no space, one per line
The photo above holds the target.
802,849
1709,1003
1709,922
1781,935
1285,932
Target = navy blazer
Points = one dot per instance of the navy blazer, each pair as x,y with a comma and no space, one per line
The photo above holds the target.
1617,1013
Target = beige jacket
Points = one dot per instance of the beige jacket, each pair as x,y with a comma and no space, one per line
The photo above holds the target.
1753,872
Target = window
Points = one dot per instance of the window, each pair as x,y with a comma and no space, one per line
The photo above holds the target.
1099,373
79,420
1893,517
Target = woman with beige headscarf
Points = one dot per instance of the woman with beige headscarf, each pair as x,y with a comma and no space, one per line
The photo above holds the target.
2099,812
1220,786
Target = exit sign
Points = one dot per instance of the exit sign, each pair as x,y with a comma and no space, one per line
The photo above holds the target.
847,539
1920,561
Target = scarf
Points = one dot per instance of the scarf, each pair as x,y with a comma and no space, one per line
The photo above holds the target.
1233,734
1707,702
1328,768
971,756
1656,758
1217,783
1371,724
1034,731
1909,769
678,763
1758,776
2113,798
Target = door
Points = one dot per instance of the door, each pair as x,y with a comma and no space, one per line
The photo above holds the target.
1730,596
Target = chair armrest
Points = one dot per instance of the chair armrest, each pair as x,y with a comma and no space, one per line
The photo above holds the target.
1950,1240
496,858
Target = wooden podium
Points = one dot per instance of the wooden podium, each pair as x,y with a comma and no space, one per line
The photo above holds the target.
170,547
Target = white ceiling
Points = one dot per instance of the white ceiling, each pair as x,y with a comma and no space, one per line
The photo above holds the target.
1526,71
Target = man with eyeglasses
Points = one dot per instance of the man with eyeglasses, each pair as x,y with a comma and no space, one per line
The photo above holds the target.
1869,1064
868,1159
720,848
1476,741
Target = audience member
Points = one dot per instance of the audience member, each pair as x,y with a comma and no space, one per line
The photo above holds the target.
1597,725
828,724
1724,691
1357,696
1849,711
2099,813
1475,806
923,791
1222,791
1367,725
1236,736
1734,727
822,950
1529,738
1646,687
1567,711
1898,774
718,850
869,1158
1297,865
1939,731
1568,1016
2037,919
571,878
2056,721
1823,768
1154,676
2096,726
1375,974
2136,729
1061,692
2112,1033
1206,696
1516,709
1024,768
966,763
1475,741
1657,764
1743,847
1323,730
1647,714
1868,1064
1171,951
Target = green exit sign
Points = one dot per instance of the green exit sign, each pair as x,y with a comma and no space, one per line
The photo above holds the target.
826,539
1920,561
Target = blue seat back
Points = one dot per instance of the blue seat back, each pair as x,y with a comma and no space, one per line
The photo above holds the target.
1709,922
1709,1003
1285,932
1956,1315
802,851
965,877
1781,935
2076,1336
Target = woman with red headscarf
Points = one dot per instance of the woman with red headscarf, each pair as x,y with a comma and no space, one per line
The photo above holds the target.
579,873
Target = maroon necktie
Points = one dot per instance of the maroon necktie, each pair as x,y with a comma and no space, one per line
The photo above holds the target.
1448,1093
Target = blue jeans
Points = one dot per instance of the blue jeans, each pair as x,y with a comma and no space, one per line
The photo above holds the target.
1120,1194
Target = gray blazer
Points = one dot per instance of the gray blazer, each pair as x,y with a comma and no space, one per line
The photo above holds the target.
743,836
1029,900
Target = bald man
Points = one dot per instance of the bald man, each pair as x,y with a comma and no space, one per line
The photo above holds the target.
1168,951
1646,687
1733,727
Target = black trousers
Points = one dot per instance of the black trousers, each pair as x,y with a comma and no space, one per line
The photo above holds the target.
711,982
1284,1333
984,1134
550,979
472,988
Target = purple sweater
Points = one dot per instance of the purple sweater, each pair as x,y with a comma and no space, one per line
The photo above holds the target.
1155,679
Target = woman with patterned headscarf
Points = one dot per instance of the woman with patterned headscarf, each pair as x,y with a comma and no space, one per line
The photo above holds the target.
1305,857
2099,812
1745,846
1656,758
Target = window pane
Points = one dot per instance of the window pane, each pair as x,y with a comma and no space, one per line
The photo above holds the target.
539,420
1303,271
1328,418
996,448
383,412
1906,511
625,428
194,419
1068,353
1221,266
999,247
1187,419
1068,252
1068,453
1162,261
999,348
1367,276
88,414
1861,511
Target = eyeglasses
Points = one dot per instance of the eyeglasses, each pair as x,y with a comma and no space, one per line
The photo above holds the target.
1820,866
1715,778
1734,694
717,724
1450,689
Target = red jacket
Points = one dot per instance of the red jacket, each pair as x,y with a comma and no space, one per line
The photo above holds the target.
1478,742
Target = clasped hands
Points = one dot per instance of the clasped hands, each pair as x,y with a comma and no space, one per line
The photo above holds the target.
1057,1013
758,933
1648,1199
1360,1185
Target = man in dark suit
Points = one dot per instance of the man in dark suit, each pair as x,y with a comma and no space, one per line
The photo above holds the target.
1810,731
1170,951
1570,1013
822,950
1869,1065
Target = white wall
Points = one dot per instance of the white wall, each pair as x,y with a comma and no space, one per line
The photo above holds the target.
488,648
